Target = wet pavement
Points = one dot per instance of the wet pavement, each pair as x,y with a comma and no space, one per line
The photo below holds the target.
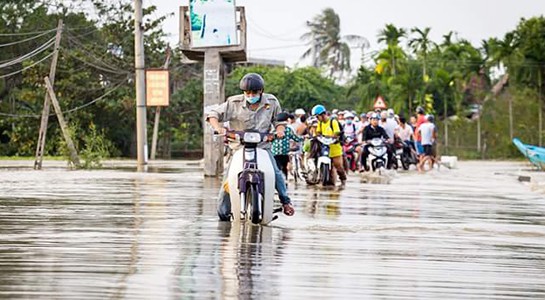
475,232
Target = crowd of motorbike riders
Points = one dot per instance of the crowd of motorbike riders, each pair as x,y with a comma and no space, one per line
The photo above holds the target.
322,145
366,142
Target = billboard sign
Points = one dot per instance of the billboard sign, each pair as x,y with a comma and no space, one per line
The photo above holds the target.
157,87
213,23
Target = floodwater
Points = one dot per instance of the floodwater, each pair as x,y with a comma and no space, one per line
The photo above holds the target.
475,232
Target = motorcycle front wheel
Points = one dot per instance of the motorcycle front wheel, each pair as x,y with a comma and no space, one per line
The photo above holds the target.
325,175
252,196
404,163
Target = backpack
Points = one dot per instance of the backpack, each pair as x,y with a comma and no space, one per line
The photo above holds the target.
342,137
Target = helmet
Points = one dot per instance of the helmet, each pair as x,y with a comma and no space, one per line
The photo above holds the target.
318,110
341,112
252,82
282,117
375,116
430,118
384,114
334,111
300,111
391,113
363,115
419,110
349,115
312,120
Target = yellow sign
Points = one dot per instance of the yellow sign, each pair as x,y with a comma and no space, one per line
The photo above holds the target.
157,88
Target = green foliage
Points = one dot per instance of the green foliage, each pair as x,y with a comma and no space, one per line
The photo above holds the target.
95,80
97,148
300,88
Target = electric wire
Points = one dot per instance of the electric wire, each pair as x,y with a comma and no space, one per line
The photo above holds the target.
23,41
95,100
265,33
37,116
83,48
27,33
29,55
112,71
28,67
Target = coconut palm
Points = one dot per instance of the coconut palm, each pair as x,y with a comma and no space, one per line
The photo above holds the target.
327,47
389,58
391,35
421,45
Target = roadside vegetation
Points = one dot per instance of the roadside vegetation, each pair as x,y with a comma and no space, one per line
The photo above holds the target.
451,78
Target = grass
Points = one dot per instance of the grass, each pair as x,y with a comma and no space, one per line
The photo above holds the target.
31,158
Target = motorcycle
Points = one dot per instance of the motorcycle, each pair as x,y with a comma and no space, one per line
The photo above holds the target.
319,164
378,154
349,150
297,169
405,154
250,186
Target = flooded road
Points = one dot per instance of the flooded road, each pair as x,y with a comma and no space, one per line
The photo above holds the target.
475,232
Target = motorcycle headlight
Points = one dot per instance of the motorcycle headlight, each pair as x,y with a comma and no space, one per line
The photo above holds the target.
252,137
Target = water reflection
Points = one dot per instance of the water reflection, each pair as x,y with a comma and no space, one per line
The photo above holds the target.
110,234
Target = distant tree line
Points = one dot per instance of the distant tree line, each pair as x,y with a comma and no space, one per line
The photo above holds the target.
95,78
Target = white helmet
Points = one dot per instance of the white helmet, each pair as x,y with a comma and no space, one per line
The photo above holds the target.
300,112
349,115
391,113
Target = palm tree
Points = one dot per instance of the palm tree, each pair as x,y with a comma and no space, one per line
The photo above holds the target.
388,61
421,45
391,35
327,47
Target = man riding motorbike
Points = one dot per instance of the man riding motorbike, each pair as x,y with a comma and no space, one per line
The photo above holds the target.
253,110
351,146
374,131
330,128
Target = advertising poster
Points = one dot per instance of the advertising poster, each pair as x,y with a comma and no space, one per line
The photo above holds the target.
213,23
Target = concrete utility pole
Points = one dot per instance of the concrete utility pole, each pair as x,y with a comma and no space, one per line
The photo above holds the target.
214,94
139,63
45,111
64,128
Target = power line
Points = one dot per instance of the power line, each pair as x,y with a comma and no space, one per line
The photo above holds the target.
29,55
27,33
267,34
32,65
277,48
112,71
23,41
83,48
68,111
95,100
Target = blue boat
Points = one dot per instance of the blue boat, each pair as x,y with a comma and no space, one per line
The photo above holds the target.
535,154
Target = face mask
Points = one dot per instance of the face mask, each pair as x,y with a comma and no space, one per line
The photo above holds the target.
252,100
348,121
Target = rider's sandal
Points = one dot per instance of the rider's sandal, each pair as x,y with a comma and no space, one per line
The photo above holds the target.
288,209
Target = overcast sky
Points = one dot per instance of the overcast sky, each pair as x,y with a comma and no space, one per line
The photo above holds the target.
276,25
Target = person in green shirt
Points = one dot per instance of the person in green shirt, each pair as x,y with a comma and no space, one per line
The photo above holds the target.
281,146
